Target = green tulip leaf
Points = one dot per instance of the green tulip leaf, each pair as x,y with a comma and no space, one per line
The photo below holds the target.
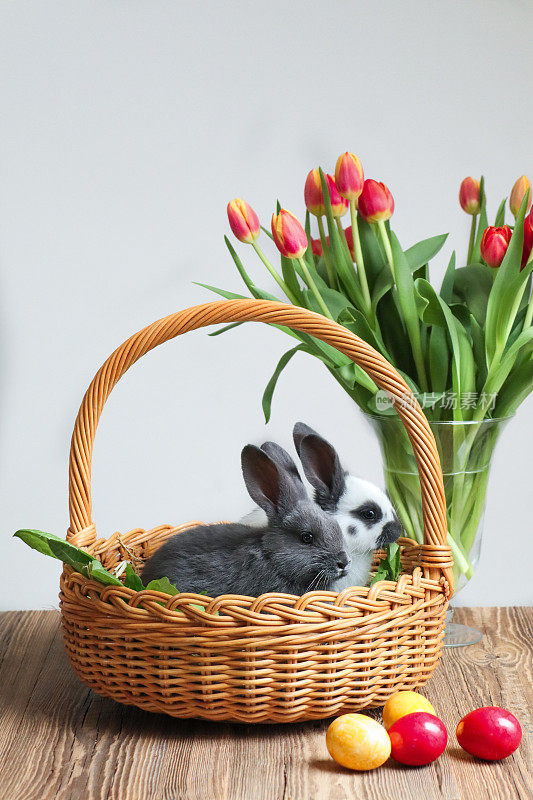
507,290
271,385
421,253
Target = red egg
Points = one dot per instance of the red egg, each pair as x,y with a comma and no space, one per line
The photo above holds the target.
417,739
490,733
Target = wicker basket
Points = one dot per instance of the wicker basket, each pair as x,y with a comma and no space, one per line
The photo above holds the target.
274,658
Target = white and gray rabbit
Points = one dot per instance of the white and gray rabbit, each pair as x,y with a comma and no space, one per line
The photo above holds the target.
299,548
364,512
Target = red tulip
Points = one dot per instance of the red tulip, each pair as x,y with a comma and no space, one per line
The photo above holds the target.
376,203
314,199
289,235
348,232
316,247
528,238
349,176
243,221
518,191
469,196
494,244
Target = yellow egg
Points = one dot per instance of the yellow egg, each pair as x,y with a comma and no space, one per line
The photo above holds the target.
403,703
358,742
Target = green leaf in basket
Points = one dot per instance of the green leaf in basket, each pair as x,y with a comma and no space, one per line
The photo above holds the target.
97,572
271,385
162,585
390,566
132,580
75,557
38,540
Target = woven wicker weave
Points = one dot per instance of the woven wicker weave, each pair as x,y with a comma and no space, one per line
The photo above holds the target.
275,658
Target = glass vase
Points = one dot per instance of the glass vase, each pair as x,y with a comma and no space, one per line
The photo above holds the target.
466,450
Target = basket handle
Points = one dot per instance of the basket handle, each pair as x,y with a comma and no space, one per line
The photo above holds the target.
435,556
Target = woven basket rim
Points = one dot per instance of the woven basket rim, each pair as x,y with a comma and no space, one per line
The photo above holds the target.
308,607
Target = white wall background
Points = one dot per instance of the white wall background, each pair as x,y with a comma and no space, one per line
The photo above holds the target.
125,129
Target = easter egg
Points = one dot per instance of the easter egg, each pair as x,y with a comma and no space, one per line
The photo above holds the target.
417,739
358,742
403,703
490,733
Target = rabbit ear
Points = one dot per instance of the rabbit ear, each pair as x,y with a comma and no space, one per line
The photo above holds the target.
273,489
298,432
322,469
281,458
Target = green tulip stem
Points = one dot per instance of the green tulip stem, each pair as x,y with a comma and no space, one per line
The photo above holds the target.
279,280
327,257
529,312
386,244
413,331
472,238
312,285
359,260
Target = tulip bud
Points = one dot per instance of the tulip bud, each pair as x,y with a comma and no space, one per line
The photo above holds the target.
517,195
316,247
376,203
314,199
469,196
494,244
528,238
289,235
349,176
348,232
243,221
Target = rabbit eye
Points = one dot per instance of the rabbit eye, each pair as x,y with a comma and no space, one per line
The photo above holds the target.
307,538
368,512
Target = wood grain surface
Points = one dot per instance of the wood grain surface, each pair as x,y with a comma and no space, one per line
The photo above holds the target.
60,741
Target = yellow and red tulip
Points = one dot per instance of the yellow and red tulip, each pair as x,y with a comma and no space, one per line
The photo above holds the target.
518,192
243,221
349,176
376,203
469,196
289,236
314,198
494,244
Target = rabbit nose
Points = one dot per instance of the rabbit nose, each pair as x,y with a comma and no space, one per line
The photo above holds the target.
343,560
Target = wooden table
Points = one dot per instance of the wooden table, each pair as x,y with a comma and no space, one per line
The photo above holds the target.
60,741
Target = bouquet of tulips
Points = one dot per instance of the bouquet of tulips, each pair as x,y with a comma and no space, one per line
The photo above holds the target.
465,349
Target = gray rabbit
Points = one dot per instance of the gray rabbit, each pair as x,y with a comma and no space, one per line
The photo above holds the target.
300,548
